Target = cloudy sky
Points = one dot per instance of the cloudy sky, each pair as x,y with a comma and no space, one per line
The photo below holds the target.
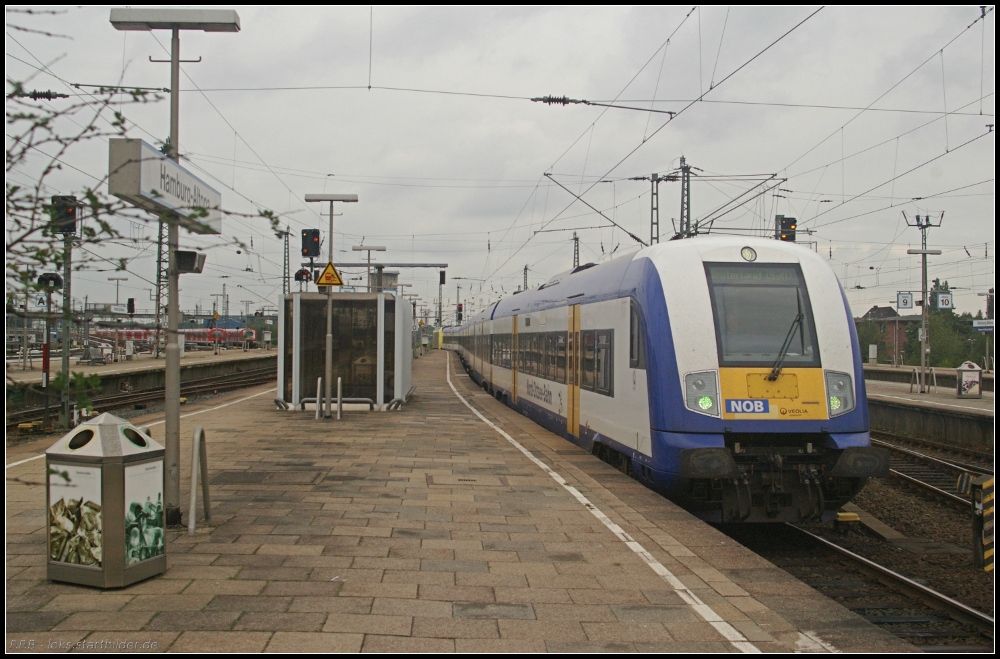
860,114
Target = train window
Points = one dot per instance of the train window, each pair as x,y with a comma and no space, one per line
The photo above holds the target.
760,311
603,362
572,339
587,364
561,357
536,361
636,351
549,372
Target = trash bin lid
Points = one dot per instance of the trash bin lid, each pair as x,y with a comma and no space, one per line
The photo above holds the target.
969,366
104,436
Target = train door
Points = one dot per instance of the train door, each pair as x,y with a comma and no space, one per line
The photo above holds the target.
573,372
490,357
513,360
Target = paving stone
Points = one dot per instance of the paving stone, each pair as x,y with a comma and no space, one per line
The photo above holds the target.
641,613
200,641
28,602
491,610
248,603
498,646
274,621
193,620
180,602
34,621
557,595
104,642
544,630
455,628
455,593
358,605
229,587
577,612
109,621
589,647
98,601
368,624
315,642
397,644
362,589
411,607
626,632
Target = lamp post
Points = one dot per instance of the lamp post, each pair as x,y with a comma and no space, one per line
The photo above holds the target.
175,20
117,280
924,223
328,370
369,249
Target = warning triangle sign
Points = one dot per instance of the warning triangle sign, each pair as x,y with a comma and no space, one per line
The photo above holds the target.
329,277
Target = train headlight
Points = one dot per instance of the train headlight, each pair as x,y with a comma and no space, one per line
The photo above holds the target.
701,392
839,393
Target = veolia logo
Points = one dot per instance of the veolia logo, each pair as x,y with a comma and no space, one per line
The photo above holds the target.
738,406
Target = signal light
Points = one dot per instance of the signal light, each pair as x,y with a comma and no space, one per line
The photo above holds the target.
310,242
786,228
130,306
64,214
458,316
303,275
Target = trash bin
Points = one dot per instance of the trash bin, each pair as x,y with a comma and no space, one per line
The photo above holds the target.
105,505
969,380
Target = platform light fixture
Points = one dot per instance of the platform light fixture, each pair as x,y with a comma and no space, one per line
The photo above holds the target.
328,370
175,20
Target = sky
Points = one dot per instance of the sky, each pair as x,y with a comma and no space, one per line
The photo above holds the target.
851,119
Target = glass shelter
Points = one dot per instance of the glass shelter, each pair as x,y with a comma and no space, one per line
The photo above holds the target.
372,347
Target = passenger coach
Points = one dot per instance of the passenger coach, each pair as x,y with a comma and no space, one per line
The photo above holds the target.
724,372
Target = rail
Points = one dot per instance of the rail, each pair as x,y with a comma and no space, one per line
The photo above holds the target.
923,478
953,608
190,388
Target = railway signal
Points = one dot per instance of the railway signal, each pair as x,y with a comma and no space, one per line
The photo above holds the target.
64,214
786,228
310,243
458,315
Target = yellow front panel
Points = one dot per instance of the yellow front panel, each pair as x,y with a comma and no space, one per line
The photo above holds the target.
798,393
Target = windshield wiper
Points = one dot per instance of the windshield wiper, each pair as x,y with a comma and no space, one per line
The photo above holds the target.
776,369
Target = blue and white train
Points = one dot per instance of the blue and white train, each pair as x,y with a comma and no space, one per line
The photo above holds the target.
723,372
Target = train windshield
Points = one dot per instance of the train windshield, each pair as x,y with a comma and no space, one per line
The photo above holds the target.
755,308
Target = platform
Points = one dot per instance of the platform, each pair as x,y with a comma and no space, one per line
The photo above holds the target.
145,362
454,524
942,398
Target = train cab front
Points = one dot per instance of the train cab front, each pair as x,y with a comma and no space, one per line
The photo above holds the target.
780,420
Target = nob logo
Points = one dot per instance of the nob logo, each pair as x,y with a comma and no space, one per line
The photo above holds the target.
737,406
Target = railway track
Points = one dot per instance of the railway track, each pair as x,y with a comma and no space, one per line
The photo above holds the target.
934,474
121,400
897,604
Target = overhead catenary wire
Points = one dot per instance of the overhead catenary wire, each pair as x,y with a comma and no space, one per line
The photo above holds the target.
682,110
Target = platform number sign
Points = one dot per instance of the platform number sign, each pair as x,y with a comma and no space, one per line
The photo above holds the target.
945,300
904,300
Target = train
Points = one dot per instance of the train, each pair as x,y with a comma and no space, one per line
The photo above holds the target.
206,336
723,372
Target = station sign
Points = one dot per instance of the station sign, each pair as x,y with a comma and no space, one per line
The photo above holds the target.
904,300
141,175
945,300
984,325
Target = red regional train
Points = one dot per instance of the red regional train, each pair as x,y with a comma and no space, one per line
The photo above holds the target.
191,336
